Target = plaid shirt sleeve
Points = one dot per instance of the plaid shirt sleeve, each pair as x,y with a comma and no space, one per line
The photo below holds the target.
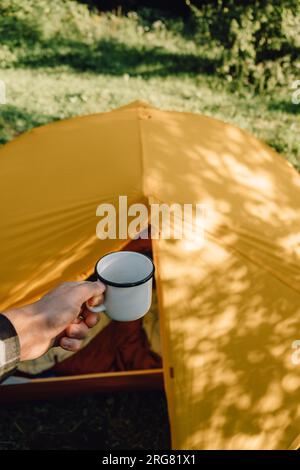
9,348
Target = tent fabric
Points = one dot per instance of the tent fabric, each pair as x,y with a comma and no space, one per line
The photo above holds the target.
229,307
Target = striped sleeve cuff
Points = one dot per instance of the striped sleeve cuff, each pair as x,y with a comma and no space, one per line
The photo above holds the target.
9,348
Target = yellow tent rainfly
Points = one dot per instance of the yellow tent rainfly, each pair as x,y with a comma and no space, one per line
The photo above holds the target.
229,309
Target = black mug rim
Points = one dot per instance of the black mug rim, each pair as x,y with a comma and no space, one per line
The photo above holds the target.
124,284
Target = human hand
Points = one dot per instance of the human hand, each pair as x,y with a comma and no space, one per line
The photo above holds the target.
60,317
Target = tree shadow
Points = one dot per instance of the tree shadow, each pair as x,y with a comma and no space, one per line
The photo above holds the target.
16,32
15,120
106,56
231,305
284,106
146,7
111,57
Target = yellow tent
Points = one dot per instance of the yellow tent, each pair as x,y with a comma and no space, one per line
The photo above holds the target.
229,308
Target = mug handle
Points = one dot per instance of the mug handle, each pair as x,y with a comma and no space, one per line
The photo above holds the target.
96,308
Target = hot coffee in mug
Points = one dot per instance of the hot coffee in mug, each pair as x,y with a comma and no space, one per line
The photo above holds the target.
128,278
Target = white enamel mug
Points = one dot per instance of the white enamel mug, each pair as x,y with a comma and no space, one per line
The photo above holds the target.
128,278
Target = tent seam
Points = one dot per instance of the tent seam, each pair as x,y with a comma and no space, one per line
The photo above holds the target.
162,317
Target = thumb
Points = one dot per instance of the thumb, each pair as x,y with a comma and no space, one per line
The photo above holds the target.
87,290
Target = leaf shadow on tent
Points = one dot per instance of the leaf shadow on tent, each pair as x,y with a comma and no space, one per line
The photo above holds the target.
235,373
231,306
232,303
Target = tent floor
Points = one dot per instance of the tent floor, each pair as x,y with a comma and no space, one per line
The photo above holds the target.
36,389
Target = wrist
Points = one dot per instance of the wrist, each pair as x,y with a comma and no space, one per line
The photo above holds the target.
25,321
10,347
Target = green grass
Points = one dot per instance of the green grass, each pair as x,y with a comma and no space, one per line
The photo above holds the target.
38,96
79,62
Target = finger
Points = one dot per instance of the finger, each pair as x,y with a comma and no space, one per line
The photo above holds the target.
80,318
90,319
87,289
78,331
70,344
97,300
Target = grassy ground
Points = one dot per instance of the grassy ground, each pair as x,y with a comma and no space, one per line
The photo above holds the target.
102,61
119,421
52,74
37,96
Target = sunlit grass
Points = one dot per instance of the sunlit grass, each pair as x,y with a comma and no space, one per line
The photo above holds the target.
72,62
37,96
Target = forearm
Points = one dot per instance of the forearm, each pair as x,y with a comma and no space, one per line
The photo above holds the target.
9,347
29,326
28,332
